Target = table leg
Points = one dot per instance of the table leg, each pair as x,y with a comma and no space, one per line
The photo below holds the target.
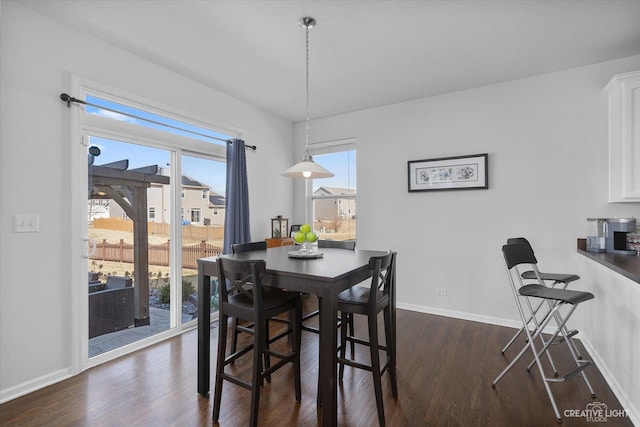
328,370
204,334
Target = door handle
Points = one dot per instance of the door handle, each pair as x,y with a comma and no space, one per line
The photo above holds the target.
87,253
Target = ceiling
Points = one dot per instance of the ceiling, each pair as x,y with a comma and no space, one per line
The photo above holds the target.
363,54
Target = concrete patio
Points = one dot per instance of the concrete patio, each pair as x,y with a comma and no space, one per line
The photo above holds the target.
107,342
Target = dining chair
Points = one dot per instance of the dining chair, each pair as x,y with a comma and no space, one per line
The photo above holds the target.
562,304
236,327
293,229
243,296
338,244
370,302
560,280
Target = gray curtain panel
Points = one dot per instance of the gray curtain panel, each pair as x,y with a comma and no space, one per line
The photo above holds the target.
236,224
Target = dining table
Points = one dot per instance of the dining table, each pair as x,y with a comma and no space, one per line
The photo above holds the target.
325,275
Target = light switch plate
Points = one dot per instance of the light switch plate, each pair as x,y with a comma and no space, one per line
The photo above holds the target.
27,224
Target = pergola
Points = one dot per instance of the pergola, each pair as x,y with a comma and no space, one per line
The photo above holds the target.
128,188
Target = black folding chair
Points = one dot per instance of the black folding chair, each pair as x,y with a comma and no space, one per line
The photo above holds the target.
534,322
553,280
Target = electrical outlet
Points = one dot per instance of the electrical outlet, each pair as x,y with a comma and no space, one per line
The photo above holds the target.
27,224
441,291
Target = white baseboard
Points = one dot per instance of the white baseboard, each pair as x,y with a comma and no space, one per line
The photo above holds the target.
34,384
461,315
632,411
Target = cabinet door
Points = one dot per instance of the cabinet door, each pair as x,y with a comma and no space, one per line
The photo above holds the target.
624,137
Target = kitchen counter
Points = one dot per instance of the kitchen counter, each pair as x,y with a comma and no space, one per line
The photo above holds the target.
627,265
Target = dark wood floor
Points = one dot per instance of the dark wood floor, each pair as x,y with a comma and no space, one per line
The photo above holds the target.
445,370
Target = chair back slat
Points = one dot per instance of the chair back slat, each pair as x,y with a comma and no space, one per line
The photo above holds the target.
382,274
338,244
518,241
519,253
249,247
240,277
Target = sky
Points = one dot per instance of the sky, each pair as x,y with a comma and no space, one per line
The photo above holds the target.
209,172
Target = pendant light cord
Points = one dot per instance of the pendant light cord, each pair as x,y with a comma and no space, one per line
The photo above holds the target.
306,144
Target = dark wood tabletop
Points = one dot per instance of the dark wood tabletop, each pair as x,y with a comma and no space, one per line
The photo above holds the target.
326,277
627,265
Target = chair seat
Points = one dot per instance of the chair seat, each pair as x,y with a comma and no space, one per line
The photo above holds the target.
359,296
556,277
271,298
570,297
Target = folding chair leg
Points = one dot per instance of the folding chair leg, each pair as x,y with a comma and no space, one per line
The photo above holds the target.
537,325
531,344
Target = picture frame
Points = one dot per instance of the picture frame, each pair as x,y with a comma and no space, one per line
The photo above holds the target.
449,173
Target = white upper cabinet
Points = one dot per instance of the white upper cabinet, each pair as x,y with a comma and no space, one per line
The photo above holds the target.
624,137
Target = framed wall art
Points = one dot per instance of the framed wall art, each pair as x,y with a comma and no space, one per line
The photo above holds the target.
449,173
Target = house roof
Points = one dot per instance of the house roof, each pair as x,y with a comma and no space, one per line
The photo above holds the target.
334,191
216,200
188,181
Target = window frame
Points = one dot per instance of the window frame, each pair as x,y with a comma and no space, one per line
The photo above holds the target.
84,124
194,210
328,147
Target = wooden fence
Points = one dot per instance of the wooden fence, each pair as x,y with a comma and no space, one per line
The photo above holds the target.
158,254
189,231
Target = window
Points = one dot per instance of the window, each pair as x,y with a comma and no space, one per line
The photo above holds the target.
152,147
195,215
125,113
332,201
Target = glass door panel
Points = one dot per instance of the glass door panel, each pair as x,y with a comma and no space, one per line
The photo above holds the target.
203,214
129,217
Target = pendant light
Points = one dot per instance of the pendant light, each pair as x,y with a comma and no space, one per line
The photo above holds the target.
307,168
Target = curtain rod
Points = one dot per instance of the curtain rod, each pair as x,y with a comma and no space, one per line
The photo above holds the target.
69,99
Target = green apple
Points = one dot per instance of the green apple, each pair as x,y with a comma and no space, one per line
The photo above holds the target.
311,236
299,237
305,228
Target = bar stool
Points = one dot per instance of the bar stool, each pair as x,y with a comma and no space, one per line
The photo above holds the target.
534,323
553,280
338,244
243,296
248,328
370,302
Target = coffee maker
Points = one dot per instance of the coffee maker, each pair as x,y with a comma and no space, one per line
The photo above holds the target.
616,236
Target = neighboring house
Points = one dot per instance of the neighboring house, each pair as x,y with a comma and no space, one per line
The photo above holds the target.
98,208
332,208
200,205
217,210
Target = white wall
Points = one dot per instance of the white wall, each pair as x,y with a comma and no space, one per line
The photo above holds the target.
38,57
547,142
546,137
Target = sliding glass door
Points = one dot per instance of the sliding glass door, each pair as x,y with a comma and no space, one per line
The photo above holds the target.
150,199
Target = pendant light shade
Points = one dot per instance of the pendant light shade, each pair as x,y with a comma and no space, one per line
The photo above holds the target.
307,168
